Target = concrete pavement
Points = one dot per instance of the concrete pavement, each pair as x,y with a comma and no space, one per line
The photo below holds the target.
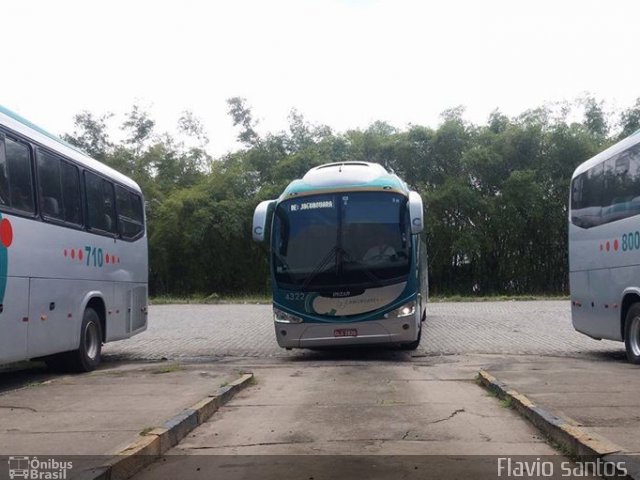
336,417
373,402
98,413
365,409
601,396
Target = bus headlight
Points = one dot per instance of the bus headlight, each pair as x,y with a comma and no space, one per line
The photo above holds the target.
405,310
284,317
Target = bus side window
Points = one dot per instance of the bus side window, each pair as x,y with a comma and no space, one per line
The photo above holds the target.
632,184
586,197
49,185
4,179
100,203
18,160
109,200
71,193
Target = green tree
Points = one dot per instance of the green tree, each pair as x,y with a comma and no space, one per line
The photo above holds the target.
90,135
630,120
242,117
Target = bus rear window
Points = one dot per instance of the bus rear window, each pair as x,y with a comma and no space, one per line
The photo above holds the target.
130,213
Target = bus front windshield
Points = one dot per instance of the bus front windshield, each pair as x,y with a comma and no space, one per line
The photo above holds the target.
354,239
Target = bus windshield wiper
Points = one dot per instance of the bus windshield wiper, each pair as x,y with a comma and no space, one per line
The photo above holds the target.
320,266
349,258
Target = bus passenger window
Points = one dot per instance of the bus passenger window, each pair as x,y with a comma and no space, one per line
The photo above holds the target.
109,206
18,160
49,185
4,180
100,203
71,194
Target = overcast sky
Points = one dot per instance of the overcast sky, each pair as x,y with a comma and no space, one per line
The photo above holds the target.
344,63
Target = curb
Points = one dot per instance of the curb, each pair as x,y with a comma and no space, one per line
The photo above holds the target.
577,441
151,445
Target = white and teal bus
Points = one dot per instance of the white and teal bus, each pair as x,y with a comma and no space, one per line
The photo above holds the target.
604,246
347,263
73,250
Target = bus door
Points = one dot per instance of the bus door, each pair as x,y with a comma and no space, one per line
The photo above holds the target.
53,326
603,313
14,321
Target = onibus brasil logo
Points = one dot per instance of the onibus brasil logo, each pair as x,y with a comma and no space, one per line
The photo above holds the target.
36,469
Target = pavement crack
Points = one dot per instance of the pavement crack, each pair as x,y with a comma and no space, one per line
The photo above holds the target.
259,444
456,412
63,432
404,437
11,407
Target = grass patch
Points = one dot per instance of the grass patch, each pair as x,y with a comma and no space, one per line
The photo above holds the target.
494,298
506,402
213,299
173,367
265,298
33,384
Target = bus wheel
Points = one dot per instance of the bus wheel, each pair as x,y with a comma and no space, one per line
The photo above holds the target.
632,334
87,357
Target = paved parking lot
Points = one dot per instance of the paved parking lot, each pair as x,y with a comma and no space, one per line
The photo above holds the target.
366,401
512,328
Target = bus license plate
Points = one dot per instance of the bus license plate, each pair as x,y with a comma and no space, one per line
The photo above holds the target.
345,332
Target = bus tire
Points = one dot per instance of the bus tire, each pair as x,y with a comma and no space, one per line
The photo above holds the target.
632,334
87,357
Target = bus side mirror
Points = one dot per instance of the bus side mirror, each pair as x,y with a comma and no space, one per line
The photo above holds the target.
416,213
260,217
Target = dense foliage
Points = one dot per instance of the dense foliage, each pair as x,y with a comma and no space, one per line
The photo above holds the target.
495,194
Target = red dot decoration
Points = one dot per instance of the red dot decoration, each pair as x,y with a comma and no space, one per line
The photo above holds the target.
6,232
80,254
65,252
608,247
616,245
107,258
73,253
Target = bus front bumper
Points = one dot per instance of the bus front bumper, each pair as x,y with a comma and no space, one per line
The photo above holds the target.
372,332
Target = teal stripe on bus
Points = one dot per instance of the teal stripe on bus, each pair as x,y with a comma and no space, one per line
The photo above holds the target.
42,131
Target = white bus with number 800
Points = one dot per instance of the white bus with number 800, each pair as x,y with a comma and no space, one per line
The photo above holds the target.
604,246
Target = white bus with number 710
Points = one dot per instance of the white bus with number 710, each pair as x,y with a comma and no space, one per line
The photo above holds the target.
73,251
